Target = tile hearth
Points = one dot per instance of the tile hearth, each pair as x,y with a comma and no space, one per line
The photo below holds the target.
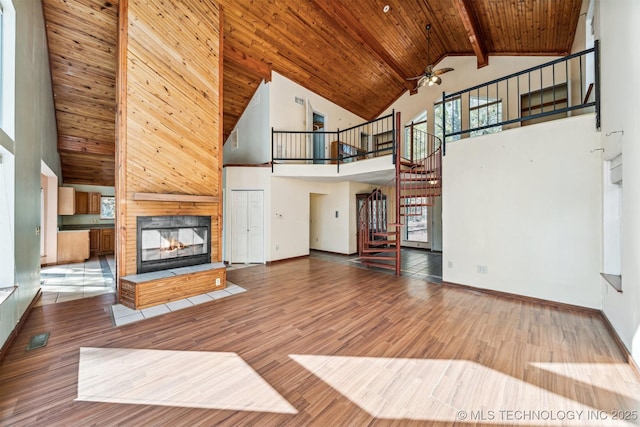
123,315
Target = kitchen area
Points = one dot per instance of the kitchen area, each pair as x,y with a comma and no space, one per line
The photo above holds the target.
85,222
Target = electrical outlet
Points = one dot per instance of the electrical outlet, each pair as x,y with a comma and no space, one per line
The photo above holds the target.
217,281
277,247
482,269
450,264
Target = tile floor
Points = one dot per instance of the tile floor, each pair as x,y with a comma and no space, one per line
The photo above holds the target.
67,282
123,315
418,263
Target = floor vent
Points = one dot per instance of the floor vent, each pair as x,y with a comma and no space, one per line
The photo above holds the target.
38,341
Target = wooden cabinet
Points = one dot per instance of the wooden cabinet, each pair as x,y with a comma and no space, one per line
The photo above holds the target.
87,203
82,202
101,241
66,201
73,246
107,241
345,152
94,203
94,241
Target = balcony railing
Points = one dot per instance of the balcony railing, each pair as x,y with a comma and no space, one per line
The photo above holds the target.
545,92
367,140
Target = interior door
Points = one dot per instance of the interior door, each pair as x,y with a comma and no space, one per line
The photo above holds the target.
255,221
247,227
240,228
318,138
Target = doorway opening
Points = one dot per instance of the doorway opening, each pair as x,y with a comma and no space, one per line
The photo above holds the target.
319,145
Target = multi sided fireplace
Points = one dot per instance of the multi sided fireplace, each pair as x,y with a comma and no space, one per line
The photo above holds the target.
165,242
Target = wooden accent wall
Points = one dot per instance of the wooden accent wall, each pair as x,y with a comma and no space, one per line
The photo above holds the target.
169,127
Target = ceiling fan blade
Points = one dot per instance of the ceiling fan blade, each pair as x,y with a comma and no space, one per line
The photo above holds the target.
416,77
442,71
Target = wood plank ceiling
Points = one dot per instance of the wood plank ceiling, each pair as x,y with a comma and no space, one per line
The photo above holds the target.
351,53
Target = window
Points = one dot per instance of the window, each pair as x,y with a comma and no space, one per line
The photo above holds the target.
107,207
415,137
484,112
7,67
452,118
1,53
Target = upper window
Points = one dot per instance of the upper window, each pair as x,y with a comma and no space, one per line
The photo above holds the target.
452,124
7,67
484,112
107,207
1,68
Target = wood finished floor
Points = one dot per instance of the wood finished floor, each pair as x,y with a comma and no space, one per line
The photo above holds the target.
305,307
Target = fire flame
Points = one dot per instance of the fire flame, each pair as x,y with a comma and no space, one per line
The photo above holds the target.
172,245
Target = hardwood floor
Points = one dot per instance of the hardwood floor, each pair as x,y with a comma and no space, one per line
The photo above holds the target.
341,345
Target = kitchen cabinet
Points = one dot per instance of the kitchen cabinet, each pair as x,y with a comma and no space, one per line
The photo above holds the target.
94,241
73,246
66,201
82,202
107,241
101,241
94,203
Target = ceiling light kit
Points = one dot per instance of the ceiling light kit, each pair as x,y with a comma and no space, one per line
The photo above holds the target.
430,76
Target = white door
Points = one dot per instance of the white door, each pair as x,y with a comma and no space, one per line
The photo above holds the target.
247,227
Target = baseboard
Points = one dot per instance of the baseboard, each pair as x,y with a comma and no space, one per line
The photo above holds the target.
623,348
334,253
535,300
286,259
16,330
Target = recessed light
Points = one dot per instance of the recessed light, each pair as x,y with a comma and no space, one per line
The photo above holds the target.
386,8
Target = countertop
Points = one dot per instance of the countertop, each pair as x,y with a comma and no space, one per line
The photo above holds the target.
73,227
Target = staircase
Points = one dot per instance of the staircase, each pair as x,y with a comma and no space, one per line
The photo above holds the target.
417,182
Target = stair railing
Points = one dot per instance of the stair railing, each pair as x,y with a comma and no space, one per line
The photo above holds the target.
417,182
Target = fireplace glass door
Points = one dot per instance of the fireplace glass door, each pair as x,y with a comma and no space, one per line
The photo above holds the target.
160,244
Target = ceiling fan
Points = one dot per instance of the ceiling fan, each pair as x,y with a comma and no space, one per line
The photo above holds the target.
430,76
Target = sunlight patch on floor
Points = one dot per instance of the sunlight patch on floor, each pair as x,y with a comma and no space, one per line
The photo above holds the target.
213,380
601,375
457,390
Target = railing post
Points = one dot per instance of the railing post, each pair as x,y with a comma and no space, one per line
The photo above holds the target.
444,121
395,138
596,59
272,149
396,220
338,149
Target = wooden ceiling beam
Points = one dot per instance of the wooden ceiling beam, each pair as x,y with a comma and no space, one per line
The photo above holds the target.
259,68
465,11
356,30
74,144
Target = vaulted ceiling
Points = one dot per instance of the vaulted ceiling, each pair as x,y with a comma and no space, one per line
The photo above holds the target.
350,52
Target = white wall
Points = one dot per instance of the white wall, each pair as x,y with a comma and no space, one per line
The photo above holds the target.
34,141
526,203
253,132
618,31
287,115
291,214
